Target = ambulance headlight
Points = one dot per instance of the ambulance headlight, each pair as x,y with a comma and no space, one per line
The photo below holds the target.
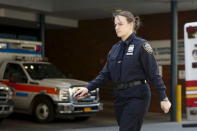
3,46
64,95
6,92
10,92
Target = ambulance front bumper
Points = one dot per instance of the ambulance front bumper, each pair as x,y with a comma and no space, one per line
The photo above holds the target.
6,109
70,108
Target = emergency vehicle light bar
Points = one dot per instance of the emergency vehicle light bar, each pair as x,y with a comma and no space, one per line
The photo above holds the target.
28,58
3,46
191,29
20,45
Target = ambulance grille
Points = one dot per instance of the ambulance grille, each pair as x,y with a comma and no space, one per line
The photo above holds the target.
89,99
4,96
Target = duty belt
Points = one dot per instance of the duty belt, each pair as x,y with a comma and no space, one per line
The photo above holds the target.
130,84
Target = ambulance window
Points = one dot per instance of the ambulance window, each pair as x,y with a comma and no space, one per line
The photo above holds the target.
192,32
42,71
15,70
194,65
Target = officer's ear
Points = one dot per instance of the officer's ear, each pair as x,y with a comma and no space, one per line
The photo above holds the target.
131,24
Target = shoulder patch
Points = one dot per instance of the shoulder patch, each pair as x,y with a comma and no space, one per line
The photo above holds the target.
148,48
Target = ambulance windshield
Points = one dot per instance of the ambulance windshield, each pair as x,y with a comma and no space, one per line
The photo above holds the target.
39,71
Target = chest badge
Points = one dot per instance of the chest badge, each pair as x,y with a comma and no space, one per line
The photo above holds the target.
130,50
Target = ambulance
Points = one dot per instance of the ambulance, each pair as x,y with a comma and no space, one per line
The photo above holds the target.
41,90
190,40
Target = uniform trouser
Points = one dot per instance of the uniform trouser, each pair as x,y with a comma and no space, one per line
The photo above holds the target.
131,104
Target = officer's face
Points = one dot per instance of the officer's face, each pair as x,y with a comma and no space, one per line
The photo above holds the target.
123,27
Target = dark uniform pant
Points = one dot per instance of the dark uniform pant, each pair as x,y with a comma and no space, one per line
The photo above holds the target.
131,104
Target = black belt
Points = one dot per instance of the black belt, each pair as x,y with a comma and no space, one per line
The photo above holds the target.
130,84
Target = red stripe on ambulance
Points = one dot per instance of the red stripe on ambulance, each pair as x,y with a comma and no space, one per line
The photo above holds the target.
192,102
191,83
31,88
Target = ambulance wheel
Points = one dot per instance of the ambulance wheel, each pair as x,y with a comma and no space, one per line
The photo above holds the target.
43,110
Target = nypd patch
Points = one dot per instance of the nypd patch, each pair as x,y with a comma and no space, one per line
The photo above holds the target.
148,48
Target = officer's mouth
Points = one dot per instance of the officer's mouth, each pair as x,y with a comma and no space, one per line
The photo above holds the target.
117,32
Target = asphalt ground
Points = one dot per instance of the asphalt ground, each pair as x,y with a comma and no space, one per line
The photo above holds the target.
100,122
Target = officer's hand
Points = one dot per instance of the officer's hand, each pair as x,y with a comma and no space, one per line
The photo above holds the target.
165,105
80,93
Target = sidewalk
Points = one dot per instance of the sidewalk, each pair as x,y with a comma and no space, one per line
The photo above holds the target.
152,122
164,126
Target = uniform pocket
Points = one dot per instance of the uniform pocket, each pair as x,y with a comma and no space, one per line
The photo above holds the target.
129,57
112,64
145,91
129,60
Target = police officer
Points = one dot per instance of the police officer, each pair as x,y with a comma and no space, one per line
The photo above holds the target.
130,64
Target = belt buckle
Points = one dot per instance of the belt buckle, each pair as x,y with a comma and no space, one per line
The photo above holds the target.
124,86
131,84
121,86
137,83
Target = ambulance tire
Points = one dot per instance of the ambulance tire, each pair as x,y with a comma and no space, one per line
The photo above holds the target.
43,111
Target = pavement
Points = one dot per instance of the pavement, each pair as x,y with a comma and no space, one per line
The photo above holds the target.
100,122
103,121
169,126
152,122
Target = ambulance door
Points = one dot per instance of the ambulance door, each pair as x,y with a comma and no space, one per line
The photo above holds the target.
18,80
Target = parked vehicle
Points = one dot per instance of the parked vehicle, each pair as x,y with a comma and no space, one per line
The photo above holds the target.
40,88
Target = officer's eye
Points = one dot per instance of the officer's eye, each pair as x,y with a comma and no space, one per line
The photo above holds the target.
118,24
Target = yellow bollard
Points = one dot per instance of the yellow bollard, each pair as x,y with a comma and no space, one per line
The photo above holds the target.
178,103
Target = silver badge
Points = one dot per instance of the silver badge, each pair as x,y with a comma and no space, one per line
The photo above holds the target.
130,50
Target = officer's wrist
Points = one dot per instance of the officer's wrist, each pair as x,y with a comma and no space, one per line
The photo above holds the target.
165,99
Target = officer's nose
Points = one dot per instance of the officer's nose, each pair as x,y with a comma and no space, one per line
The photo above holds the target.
116,27
117,30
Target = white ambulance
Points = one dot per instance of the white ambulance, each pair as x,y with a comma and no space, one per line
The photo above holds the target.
190,40
40,88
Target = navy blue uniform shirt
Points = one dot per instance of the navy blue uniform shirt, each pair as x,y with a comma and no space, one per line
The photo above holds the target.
130,60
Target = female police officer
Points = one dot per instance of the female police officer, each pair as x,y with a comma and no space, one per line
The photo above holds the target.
129,64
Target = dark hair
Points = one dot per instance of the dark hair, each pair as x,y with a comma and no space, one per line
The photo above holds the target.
130,17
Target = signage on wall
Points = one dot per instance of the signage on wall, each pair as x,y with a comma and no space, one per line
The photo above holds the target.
181,74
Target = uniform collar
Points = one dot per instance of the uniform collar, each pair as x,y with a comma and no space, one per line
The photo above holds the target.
129,39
